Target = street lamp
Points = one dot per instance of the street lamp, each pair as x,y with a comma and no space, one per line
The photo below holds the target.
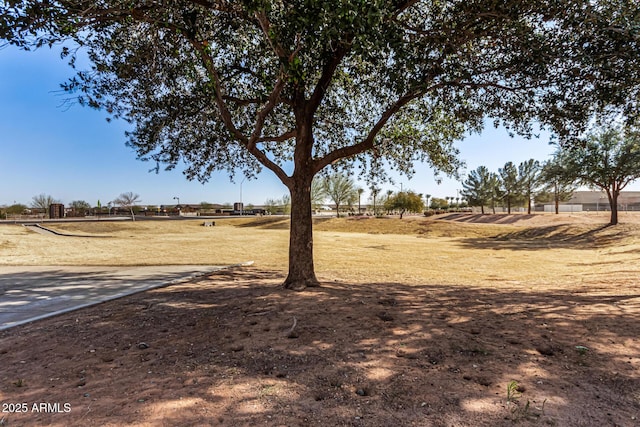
241,205
178,206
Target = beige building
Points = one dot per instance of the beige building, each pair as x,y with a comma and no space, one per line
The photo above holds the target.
598,201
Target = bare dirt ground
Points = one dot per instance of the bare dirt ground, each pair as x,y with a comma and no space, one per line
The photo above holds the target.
224,351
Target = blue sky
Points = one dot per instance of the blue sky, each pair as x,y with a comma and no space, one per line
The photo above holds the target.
74,154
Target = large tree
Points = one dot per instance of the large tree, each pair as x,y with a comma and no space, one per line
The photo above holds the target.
608,159
297,86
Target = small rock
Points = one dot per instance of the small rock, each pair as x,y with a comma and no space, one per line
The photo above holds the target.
361,392
385,317
143,346
546,350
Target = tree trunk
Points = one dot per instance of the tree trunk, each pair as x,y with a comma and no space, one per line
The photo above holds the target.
482,209
613,203
557,200
301,269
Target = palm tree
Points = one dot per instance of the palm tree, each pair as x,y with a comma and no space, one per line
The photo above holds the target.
360,191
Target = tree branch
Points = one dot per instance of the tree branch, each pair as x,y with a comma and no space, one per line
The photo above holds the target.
328,71
265,25
367,143
272,101
280,138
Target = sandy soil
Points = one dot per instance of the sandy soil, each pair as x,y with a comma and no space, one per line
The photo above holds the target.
224,351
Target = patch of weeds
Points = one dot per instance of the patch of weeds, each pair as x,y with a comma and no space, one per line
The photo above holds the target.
582,351
513,392
268,390
19,382
518,411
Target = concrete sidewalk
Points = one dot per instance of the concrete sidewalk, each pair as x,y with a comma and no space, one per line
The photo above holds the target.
33,293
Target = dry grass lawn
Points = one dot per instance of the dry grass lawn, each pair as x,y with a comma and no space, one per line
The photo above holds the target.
529,251
461,320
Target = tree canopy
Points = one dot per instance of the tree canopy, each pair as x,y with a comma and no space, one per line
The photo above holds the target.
477,188
295,87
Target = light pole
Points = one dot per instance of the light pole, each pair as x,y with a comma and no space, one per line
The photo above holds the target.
241,205
178,207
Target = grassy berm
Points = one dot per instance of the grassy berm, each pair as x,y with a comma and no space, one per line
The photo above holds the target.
458,320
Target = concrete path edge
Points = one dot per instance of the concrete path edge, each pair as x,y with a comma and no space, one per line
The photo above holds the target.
123,295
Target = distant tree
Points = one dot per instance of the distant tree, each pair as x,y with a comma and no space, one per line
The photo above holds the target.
374,191
42,202
495,186
271,206
437,203
286,204
206,206
15,209
360,191
477,188
80,207
318,193
558,186
405,201
128,200
340,189
510,184
529,180
608,159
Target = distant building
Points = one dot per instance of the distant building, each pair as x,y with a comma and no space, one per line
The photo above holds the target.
596,201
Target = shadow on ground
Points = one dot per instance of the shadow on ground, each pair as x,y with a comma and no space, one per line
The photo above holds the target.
224,351
554,236
486,218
